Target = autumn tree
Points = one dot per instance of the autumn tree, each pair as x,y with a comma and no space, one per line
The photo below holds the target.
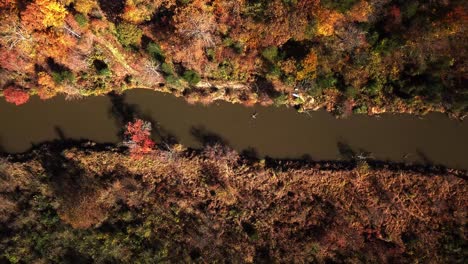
138,138
7,3
47,87
309,65
326,21
12,60
15,95
14,34
195,22
360,12
85,6
138,11
195,27
129,34
41,14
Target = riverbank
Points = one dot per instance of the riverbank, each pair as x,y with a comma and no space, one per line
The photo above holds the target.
96,203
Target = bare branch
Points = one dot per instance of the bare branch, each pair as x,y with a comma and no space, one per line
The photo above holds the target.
16,34
152,67
71,31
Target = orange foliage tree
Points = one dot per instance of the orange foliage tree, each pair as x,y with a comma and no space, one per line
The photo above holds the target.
42,14
309,65
360,12
327,20
7,3
47,87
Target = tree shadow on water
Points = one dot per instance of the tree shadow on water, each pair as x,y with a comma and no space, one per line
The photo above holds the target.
350,154
2,149
207,138
250,153
122,111
424,158
306,158
60,133
346,151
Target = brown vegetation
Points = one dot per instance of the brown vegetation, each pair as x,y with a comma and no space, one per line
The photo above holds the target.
215,205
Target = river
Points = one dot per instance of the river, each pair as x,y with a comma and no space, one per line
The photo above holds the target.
277,132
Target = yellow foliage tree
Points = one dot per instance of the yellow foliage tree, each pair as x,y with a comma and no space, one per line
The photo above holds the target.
84,6
136,14
42,14
138,11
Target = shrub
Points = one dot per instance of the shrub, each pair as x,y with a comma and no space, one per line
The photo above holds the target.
410,8
256,9
172,80
167,69
281,100
59,77
340,5
351,92
362,109
104,72
155,51
210,54
191,77
270,54
129,34
81,19
15,96
101,68
373,87
326,82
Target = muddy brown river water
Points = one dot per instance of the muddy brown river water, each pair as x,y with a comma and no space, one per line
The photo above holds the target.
277,132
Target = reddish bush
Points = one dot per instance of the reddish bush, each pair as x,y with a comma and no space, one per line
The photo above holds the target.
15,96
138,138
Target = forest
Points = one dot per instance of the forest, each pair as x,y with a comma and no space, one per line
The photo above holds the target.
96,204
149,199
347,56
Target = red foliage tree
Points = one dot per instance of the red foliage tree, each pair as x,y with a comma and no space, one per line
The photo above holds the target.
138,138
15,96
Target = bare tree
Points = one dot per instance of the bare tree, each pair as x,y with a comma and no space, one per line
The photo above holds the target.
196,24
152,68
15,34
